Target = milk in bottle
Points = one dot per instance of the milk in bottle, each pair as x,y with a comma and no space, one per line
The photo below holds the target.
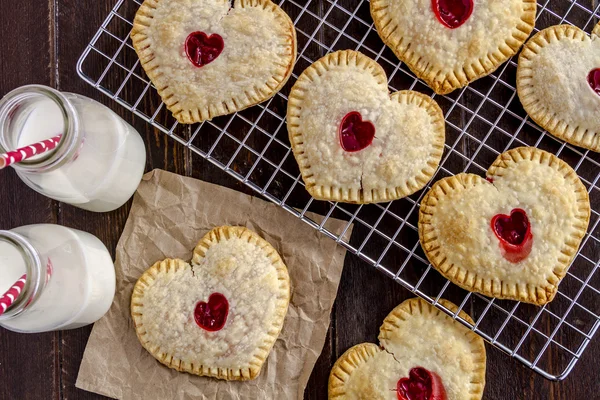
99,161
70,278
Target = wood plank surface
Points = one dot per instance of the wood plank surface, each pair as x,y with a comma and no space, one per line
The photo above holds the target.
29,364
41,42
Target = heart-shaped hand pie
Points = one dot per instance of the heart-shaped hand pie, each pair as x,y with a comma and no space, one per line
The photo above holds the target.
558,82
424,355
219,316
512,236
354,142
208,59
449,43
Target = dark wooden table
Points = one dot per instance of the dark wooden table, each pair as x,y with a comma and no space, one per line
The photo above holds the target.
40,42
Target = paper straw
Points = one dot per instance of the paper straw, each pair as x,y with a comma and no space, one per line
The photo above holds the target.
12,294
16,156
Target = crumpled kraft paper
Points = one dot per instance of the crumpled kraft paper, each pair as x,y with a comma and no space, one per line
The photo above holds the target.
170,214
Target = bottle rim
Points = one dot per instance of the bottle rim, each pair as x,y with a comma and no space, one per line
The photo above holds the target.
35,279
69,143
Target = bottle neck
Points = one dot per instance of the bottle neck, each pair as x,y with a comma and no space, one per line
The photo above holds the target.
18,113
35,277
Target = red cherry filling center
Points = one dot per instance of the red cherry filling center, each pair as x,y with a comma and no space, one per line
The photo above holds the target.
594,80
514,233
202,49
421,384
356,134
452,13
212,315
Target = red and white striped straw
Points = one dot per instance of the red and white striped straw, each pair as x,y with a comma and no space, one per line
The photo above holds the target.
12,294
16,156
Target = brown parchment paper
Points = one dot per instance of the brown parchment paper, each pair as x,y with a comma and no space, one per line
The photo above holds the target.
170,214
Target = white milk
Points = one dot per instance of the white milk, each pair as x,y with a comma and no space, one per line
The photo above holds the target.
12,265
78,273
104,171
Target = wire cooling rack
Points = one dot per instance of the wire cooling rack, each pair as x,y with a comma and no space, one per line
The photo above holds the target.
483,120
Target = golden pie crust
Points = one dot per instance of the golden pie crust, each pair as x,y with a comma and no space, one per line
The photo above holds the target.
448,59
235,262
455,353
552,83
409,132
456,234
256,61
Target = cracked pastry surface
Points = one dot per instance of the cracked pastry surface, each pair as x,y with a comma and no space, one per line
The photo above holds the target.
553,87
450,350
457,234
447,59
236,263
237,78
409,132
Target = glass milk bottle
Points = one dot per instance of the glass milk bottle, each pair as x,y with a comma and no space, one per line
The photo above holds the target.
70,278
99,161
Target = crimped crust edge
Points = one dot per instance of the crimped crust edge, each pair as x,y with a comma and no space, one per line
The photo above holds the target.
346,364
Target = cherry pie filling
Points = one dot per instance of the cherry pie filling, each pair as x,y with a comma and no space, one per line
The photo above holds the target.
212,315
594,80
514,233
356,134
452,13
202,49
421,384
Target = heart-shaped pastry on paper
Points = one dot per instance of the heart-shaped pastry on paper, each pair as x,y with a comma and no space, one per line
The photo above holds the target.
207,58
219,316
512,236
449,43
558,82
353,141
424,355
